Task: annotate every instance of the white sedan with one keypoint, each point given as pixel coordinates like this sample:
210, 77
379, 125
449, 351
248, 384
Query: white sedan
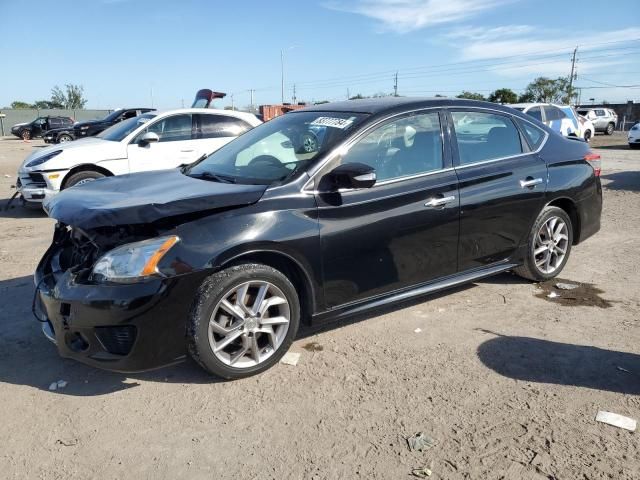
152, 141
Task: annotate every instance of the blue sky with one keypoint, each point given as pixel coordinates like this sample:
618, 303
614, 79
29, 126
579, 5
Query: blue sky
123, 50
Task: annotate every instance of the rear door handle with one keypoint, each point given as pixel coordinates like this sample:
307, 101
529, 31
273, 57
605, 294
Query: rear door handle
186, 151
439, 202
530, 182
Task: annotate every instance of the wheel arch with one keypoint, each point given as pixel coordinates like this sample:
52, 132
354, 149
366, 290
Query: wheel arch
85, 167
286, 264
569, 206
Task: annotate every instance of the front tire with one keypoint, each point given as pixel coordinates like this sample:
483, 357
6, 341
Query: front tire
243, 320
587, 135
64, 138
26, 135
81, 178
548, 245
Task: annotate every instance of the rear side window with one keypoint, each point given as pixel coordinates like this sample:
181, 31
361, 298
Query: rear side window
533, 134
600, 113
535, 112
54, 123
553, 113
485, 136
220, 126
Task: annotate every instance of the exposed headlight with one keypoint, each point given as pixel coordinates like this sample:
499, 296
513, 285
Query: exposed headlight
44, 158
133, 261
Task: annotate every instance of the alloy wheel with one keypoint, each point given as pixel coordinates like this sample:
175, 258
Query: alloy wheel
249, 324
551, 245
309, 143
64, 138
83, 181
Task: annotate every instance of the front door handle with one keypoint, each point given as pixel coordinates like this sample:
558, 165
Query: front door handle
530, 182
186, 151
439, 202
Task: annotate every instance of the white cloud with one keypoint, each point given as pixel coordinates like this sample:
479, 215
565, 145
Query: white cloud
402, 16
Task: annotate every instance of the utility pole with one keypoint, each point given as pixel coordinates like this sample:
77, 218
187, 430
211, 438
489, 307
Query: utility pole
251, 92
294, 94
573, 73
282, 76
348, 94
395, 85
232, 107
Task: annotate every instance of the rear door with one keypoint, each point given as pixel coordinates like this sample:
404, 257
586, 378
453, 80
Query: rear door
502, 183
213, 131
404, 230
174, 148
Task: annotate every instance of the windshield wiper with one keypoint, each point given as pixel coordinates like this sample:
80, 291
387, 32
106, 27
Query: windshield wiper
214, 177
185, 167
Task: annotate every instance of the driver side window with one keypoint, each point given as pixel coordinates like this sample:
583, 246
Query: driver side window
403, 147
171, 129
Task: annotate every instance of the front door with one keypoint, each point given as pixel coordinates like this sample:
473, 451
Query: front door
502, 184
175, 146
404, 230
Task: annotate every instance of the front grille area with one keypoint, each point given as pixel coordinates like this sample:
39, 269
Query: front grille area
117, 340
37, 180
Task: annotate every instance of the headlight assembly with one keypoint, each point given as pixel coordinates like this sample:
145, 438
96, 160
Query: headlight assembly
133, 261
44, 158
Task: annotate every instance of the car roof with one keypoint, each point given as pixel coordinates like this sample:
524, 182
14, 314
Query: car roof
250, 117
389, 104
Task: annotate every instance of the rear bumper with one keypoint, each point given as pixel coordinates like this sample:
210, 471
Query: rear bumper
126, 328
589, 211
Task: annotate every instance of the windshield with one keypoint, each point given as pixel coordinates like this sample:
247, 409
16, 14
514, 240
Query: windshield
120, 130
277, 149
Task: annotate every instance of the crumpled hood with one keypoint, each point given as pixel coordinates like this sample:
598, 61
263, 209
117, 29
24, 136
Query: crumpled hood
142, 198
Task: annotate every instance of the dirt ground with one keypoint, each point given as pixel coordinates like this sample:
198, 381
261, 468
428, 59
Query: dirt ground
505, 380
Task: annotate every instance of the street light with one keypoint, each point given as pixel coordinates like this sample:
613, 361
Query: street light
282, 71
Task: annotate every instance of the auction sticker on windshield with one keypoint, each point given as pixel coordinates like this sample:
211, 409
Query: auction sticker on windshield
341, 123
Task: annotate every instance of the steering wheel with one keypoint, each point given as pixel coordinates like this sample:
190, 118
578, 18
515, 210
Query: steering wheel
266, 160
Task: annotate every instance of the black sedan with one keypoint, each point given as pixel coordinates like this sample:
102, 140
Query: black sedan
91, 127
225, 258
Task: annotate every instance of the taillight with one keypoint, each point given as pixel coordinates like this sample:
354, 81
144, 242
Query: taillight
595, 162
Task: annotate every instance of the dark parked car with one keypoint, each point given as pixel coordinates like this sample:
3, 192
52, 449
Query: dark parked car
225, 258
40, 125
92, 127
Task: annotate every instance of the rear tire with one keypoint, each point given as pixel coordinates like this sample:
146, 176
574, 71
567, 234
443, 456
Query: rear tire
82, 177
609, 130
547, 254
587, 135
243, 320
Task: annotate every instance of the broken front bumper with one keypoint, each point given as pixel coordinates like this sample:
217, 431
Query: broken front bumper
126, 328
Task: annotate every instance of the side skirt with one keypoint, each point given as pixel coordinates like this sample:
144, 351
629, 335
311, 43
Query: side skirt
403, 295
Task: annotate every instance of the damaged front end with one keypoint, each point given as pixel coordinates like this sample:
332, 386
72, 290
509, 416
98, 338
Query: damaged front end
102, 322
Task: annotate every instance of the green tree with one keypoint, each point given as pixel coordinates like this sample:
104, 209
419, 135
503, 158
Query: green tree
19, 104
503, 95
321, 102
548, 90
471, 95
357, 97
47, 104
526, 97
72, 98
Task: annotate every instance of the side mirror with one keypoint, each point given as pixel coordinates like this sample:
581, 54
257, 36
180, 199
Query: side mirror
352, 175
148, 137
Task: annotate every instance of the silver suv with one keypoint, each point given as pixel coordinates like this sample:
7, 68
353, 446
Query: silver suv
603, 119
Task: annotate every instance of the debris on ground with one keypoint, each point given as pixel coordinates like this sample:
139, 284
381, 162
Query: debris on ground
290, 358
59, 385
67, 443
553, 295
420, 442
7, 176
616, 420
421, 472
566, 286
313, 347
417, 330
